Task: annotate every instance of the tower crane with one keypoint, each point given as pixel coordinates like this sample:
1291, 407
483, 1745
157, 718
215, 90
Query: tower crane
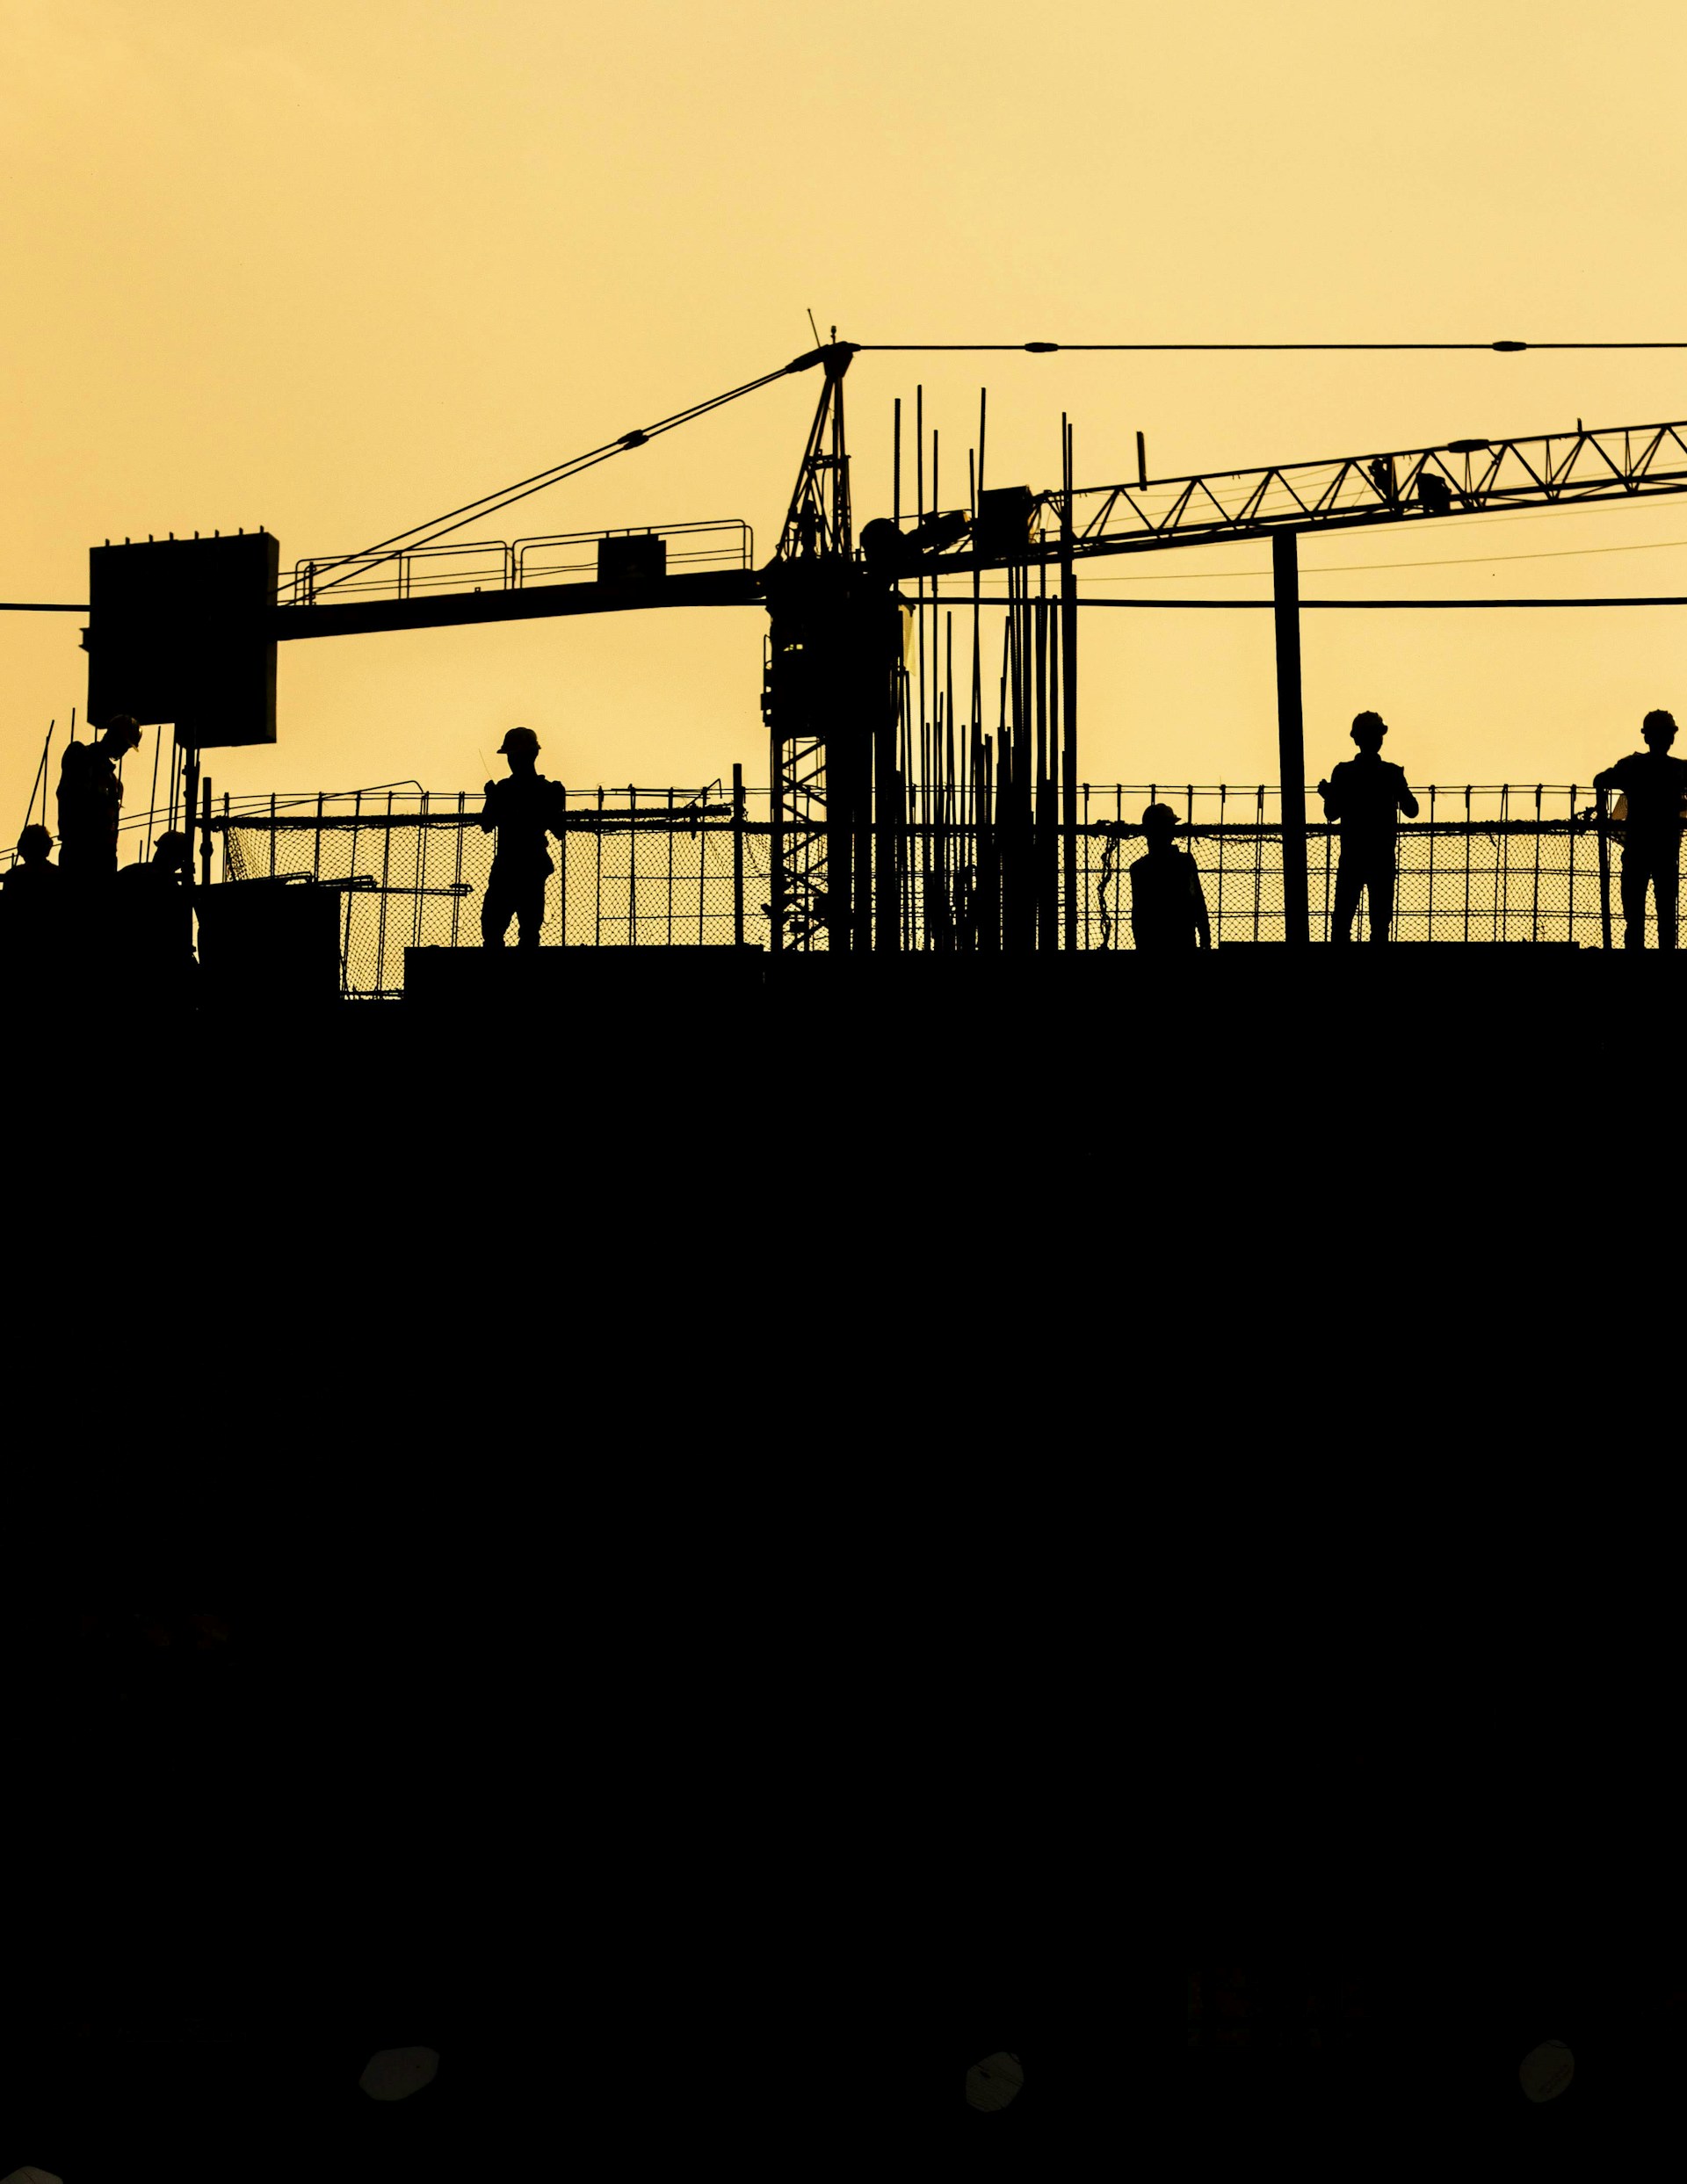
185, 631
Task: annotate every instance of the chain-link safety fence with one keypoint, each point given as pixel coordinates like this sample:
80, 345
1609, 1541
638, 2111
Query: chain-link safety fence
641, 867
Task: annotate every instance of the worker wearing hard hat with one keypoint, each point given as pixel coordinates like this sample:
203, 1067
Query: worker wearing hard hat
521, 811
90, 798
32, 908
1654, 786
1367, 795
1168, 906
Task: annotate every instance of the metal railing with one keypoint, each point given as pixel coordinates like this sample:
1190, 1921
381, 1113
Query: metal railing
673, 868
498, 565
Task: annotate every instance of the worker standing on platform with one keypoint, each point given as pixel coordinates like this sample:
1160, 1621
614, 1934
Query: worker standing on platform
1654, 786
521, 811
91, 800
1366, 794
1168, 906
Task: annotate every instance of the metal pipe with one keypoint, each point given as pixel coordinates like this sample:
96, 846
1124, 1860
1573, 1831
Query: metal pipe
1069, 695
737, 856
1290, 741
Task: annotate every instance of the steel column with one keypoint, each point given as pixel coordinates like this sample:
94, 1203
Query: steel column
1291, 740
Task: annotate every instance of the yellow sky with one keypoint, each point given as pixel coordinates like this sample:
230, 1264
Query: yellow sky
331, 268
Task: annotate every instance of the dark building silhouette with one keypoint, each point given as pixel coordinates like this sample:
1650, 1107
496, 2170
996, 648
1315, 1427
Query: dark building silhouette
90, 801
1654, 786
1366, 795
521, 811
1168, 904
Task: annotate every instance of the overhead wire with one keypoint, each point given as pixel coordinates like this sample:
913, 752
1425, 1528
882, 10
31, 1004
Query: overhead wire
1344, 568
1198, 348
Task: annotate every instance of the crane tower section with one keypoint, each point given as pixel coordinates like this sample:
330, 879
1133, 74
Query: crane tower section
831, 695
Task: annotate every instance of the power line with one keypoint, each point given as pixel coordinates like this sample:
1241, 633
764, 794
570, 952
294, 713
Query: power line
1203, 348
1359, 606
1355, 568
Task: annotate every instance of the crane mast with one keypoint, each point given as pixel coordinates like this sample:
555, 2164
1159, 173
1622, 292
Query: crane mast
831, 699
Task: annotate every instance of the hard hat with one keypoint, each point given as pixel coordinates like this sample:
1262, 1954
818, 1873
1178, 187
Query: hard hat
1159, 815
1368, 720
172, 840
519, 739
127, 723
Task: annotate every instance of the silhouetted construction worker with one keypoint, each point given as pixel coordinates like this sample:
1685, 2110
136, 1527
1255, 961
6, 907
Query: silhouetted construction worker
1367, 795
521, 811
155, 931
1654, 786
35, 933
1168, 905
90, 798
32, 884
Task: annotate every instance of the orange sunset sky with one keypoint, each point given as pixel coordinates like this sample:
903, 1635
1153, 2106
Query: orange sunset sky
330, 268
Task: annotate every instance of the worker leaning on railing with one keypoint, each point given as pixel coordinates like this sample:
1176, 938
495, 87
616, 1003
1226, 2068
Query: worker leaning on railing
1654, 786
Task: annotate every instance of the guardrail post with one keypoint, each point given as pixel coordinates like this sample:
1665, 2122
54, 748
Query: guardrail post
1291, 741
737, 856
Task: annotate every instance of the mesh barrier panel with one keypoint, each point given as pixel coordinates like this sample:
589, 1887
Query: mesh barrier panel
641, 868
627, 874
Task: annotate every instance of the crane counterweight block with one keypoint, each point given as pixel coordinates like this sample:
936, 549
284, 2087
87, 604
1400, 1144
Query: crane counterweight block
181, 630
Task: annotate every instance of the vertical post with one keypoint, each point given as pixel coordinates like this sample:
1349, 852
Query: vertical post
1290, 741
561, 869
189, 800
737, 856
1045, 866
1604, 871
886, 905
1068, 700
457, 869
776, 850
205, 832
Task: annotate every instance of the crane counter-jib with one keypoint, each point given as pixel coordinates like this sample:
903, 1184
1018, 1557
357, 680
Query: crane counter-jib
715, 588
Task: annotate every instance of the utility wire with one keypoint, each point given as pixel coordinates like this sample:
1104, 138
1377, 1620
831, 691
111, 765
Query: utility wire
1200, 348
1354, 568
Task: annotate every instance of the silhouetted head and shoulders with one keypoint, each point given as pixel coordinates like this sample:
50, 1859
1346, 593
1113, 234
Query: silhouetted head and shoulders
1168, 903
1368, 792
1653, 782
165, 871
34, 875
95, 764
1159, 830
525, 797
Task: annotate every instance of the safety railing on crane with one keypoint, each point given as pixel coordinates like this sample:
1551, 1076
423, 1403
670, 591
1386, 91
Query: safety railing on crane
498, 565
